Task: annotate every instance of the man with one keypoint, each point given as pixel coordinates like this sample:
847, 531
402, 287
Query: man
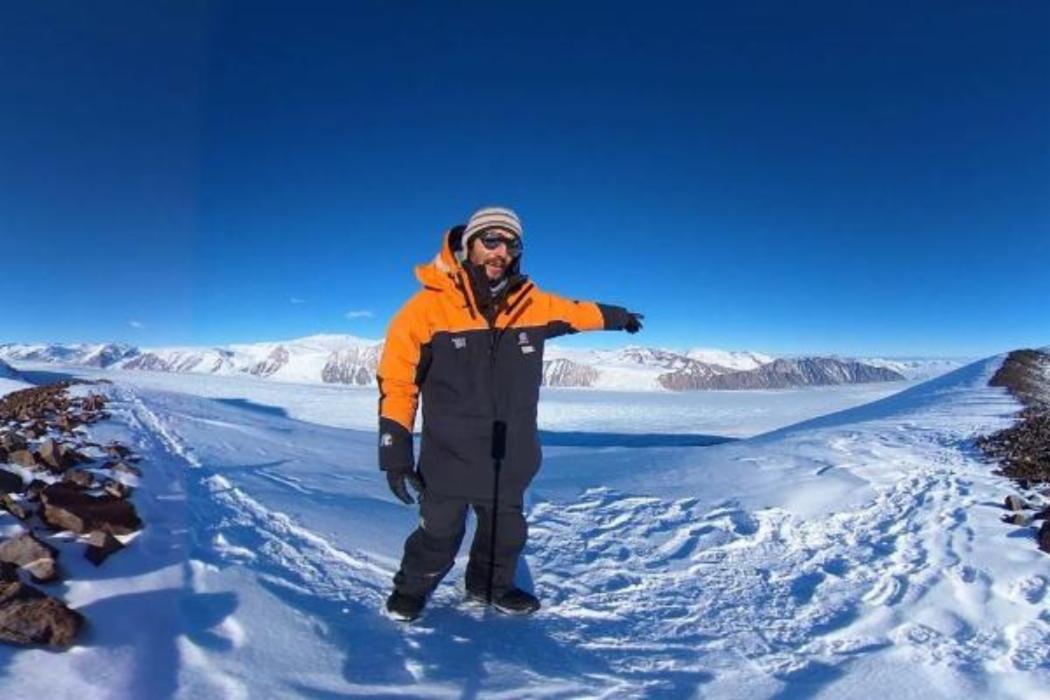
472, 342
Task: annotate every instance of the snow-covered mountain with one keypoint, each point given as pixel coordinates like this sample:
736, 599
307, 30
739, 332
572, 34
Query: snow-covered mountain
732, 359
90, 354
640, 368
320, 358
344, 359
916, 368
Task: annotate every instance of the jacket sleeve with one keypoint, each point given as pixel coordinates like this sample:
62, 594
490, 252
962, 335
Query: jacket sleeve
568, 316
402, 367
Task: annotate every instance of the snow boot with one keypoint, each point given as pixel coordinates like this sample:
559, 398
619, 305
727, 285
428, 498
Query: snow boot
405, 608
512, 602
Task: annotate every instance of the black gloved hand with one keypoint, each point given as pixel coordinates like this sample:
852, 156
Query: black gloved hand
634, 322
396, 480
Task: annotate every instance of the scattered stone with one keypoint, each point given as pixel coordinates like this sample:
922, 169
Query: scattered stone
117, 450
78, 477
123, 467
67, 508
1015, 503
29, 616
8, 572
56, 456
1044, 537
24, 458
10, 482
93, 402
1019, 519
117, 489
12, 441
100, 545
13, 507
1042, 515
36, 557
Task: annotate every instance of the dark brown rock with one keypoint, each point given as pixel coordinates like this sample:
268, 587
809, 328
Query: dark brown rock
28, 616
10, 482
36, 557
67, 508
1044, 536
55, 455
24, 458
8, 572
34, 489
100, 545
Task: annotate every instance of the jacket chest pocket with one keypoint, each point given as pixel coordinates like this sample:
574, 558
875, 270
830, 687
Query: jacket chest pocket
458, 373
520, 365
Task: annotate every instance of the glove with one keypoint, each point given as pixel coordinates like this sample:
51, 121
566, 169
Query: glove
396, 481
634, 322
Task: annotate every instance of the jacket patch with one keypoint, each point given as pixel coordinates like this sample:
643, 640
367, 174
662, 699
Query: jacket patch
459, 343
523, 338
526, 349
386, 440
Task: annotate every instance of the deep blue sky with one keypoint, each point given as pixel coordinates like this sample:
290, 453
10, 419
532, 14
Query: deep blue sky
788, 177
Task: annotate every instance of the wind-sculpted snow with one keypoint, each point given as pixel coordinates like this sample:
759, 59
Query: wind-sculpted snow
850, 556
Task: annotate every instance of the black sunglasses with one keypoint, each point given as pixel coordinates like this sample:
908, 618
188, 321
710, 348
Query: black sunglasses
492, 240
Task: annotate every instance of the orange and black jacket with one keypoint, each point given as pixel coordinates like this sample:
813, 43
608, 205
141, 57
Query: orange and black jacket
474, 361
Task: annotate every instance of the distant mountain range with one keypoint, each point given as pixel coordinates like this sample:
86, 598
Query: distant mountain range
343, 359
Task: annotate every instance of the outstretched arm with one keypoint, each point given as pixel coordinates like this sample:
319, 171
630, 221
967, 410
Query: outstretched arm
402, 368
568, 316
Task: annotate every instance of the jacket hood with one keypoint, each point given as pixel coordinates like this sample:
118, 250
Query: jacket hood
441, 271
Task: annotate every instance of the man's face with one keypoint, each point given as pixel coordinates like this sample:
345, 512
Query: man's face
496, 260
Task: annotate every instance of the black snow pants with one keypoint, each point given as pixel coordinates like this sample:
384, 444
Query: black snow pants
431, 549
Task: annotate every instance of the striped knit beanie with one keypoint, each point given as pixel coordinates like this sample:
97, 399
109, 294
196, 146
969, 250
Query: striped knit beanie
489, 217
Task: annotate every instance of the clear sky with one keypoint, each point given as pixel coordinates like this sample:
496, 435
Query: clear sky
788, 177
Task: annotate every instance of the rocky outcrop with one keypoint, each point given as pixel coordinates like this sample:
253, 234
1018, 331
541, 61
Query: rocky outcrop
566, 373
277, 359
692, 377
33, 556
68, 508
43, 431
783, 374
1022, 451
355, 366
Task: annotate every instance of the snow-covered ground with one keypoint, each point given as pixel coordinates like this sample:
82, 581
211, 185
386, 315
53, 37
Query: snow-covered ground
854, 554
